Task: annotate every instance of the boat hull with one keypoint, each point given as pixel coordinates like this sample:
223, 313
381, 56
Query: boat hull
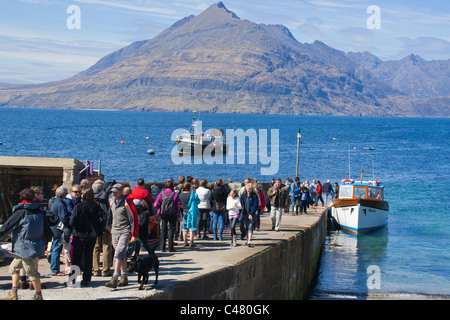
197, 148
360, 215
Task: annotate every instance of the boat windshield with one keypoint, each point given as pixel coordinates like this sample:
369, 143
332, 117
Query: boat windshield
345, 191
360, 192
375, 193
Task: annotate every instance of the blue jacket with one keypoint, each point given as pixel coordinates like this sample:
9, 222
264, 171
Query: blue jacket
28, 226
327, 188
59, 207
249, 204
305, 194
71, 203
296, 189
191, 219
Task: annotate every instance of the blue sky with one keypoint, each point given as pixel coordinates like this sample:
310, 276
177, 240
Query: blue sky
37, 46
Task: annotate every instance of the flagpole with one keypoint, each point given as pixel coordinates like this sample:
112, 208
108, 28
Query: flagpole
299, 135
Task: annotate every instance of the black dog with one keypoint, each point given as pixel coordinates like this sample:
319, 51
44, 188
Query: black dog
143, 266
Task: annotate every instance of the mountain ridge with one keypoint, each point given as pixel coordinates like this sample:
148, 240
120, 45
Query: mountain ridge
216, 62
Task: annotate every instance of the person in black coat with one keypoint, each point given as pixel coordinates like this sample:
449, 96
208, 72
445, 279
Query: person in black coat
143, 210
86, 226
304, 198
103, 244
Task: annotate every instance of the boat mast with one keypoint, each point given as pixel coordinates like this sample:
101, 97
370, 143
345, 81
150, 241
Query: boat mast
349, 162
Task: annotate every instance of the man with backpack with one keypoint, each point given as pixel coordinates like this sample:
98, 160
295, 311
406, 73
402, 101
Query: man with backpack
30, 232
168, 204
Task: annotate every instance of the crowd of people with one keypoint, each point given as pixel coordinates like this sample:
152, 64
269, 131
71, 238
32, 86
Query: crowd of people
116, 220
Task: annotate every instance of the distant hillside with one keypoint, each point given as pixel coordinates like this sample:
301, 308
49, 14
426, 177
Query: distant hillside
412, 75
216, 62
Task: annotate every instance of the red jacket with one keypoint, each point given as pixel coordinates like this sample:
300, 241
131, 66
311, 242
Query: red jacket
319, 189
140, 193
262, 200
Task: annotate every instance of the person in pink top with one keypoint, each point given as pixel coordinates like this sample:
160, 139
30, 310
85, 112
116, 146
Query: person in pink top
167, 218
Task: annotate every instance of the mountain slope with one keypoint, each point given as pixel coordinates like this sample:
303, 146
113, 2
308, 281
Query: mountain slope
216, 62
412, 75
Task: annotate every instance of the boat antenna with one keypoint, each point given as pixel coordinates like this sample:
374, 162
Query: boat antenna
362, 170
349, 162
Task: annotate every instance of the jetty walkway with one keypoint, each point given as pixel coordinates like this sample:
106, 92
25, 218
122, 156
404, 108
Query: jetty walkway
281, 265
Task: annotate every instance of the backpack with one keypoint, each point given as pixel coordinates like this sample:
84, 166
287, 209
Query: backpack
168, 207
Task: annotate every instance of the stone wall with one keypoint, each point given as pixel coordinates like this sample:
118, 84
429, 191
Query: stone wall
284, 271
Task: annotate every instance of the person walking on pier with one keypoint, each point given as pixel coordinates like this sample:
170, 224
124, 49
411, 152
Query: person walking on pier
124, 225
219, 196
192, 214
143, 211
336, 190
168, 204
59, 207
328, 192
304, 198
30, 232
139, 192
297, 194
103, 242
233, 207
204, 195
319, 194
313, 191
279, 196
185, 196
242, 190
271, 184
262, 205
179, 226
250, 205
51, 219
72, 199
86, 226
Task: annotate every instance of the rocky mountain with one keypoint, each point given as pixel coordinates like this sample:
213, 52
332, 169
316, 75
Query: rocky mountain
411, 75
217, 62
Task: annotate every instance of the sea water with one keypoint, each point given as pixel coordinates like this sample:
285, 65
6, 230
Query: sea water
410, 156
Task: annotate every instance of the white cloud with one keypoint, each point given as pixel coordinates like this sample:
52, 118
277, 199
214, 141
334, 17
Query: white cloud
428, 48
159, 10
47, 59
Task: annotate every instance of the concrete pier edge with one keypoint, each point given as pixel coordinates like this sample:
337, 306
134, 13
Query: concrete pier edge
284, 270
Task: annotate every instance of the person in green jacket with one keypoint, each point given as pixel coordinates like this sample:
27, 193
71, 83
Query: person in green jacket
279, 200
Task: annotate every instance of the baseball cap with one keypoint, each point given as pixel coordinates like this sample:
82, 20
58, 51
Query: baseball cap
117, 187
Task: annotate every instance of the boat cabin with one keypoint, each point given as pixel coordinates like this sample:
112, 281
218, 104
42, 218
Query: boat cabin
371, 190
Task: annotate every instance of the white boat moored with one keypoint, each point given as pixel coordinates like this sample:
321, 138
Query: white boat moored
360, 207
